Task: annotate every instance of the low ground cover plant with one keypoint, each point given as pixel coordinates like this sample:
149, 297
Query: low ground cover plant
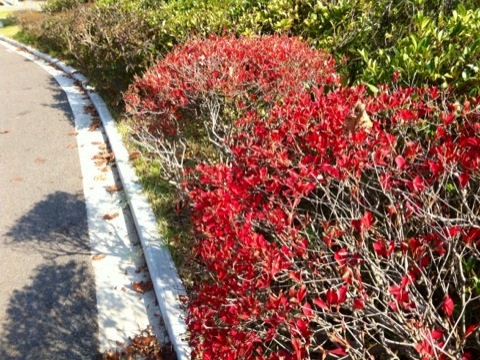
319, 242
337, 224
441, 50
184, 108
114, 40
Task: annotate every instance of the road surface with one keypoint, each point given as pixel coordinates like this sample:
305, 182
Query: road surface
47, 287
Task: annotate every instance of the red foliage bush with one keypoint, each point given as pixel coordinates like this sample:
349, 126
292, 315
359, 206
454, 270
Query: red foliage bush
198, 90
321, 243
330, 224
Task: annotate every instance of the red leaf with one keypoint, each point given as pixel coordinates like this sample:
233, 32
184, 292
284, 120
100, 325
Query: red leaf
447, 119
342, 294
338, 351
367, 220
437, 334
472, 235
307, 309
400, 161
356, 224
320, 303
414, 244
435, 167
301, 293
379, 248
418, 184
406, 115
471, 329
302, 327
394, 290
464, 178
358, 303
448, 305
295, 276
341, 256
332, 297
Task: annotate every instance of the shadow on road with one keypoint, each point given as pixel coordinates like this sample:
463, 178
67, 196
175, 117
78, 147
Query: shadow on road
54, 317
54, 227
60, 100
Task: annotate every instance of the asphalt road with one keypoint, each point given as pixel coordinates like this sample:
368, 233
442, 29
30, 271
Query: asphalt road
47, 289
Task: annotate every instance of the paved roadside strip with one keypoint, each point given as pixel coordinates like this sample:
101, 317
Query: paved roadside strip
123, 312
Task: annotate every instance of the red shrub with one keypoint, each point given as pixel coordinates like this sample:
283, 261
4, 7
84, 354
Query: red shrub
200, 88
320, 243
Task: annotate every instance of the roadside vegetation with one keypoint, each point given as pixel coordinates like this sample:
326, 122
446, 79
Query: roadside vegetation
314, 166
9, 28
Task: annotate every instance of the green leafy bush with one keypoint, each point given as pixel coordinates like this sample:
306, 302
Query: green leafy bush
443, 51
56, 6
109, 44
30, 22
113, 40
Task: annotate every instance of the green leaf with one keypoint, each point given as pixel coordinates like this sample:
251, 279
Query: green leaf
373, 88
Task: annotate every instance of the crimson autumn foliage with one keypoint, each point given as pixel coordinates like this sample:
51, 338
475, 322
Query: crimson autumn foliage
319, 242
322, 243
197, 91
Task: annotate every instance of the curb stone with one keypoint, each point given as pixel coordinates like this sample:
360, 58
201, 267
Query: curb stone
168, 287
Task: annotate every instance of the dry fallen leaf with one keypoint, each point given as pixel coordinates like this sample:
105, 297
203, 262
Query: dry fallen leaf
110, 355
114, 188
358, 117
141, 268
73, 133
142, 286
4, 132
40, 160
104, 155
100, 177
90, 109
72, 146
110, 216
97, 257
134, 155
96, 143
145, 346
95, 124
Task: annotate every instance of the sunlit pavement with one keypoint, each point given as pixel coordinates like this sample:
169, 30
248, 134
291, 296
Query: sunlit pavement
67, 270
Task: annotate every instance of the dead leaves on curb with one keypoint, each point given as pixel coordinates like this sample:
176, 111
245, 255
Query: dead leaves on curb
142, 286
95, 124
114, 188
100, 177
134, 155
110, 216
98, 257
144, 345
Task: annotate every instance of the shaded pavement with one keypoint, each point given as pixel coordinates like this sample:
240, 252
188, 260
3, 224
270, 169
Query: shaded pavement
47, 289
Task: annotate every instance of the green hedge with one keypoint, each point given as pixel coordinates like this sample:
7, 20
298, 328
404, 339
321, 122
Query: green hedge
426, 42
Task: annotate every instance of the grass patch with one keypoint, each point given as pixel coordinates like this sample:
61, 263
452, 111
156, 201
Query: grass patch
10, 27
173, 221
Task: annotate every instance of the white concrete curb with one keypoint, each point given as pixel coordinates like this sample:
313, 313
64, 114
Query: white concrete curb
167, 284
